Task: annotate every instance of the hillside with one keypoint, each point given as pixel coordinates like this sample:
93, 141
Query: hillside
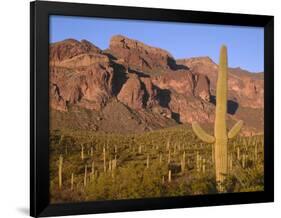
131, 87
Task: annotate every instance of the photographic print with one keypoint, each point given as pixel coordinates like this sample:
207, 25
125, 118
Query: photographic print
147, 109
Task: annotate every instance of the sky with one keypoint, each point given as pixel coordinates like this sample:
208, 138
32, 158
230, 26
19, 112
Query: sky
182, 40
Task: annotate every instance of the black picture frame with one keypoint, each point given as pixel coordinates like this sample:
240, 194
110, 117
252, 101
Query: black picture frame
39, 107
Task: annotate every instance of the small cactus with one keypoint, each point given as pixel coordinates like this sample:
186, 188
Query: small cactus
160, 158
169, 176
109, 165
238, 153
230, 162
85, 176
203, 165
82, 152
72, 181
183, 162
198, 161
104, 160
92, 152
221, 137
60, 171
93, 168
256, 152
115, 162
169, 156
243, 161
147, 161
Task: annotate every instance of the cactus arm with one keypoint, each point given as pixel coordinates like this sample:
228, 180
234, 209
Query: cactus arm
235, 129
202, 134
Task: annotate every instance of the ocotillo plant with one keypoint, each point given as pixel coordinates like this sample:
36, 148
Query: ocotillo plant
221, 136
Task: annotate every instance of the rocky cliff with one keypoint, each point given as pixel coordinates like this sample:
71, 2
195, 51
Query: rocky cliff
132, 87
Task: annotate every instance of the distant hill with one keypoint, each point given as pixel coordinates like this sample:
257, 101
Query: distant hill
133, 87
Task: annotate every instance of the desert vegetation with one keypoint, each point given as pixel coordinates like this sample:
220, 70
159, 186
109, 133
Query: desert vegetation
122, 123
86, 165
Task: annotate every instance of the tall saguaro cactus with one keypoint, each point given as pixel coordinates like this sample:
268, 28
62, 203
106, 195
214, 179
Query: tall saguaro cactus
221, 136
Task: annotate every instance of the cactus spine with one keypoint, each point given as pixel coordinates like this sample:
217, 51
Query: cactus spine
220, 137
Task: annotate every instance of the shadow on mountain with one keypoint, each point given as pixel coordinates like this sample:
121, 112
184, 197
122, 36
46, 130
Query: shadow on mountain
164, 97
232, 106
174, 66
119, 78
176, 117
110, 56
139, 73
145, 96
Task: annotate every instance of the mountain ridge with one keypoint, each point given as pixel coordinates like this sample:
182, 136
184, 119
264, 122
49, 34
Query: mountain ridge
159, 90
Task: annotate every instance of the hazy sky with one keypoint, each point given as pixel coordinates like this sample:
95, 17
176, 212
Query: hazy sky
182, 40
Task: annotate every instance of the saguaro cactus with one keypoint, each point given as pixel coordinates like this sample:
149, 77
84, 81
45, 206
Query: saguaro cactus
221, 137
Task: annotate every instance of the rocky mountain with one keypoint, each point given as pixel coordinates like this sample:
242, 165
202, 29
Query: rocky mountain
134, 87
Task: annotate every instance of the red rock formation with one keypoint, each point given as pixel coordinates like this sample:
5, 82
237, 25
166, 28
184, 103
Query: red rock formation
70, 48
244, 87
132, 93
202, 87
150, 92
88, 87
140, 56
156, 89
